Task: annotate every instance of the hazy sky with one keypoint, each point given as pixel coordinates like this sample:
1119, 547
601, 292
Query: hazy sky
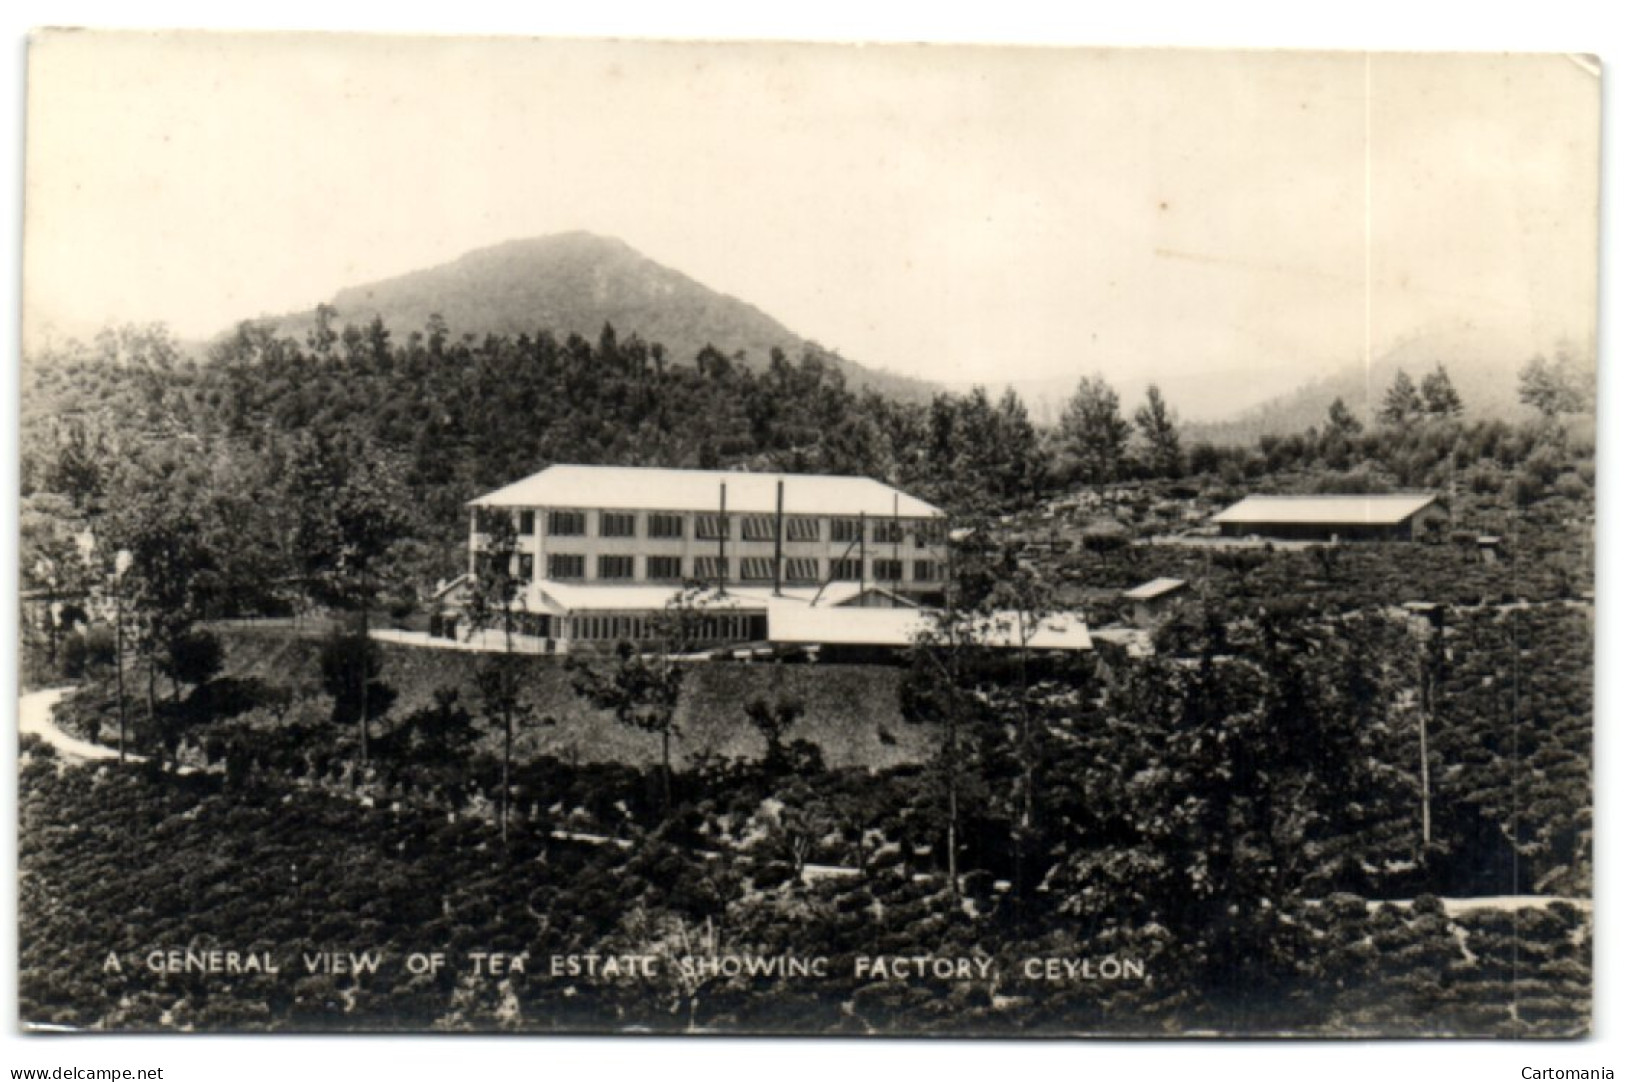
1213, 221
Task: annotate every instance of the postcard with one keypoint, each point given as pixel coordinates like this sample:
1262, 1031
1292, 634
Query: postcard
571, 536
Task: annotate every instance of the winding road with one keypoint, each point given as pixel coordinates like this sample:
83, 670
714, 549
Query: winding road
34, 717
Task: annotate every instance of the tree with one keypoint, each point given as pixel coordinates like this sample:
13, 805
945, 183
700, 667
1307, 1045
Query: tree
195, 657
935, 694
955, 684
322, 336
1342, 421
170, 582
79, 470
495, 592
1018, 462
349, 514
1094, 436
351, 663
1402, 403
642, 687
774, 721
1439, 397
53, 564
1020, 601
1551, 388
437, 332
115, 564
1159, 428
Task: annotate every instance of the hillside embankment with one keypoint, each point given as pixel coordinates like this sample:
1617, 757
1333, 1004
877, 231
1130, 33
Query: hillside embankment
851, 712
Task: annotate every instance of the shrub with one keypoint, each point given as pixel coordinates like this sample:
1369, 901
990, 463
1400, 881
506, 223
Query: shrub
1525, 488
33, 747
1543, 465
1571, 487
1484, 480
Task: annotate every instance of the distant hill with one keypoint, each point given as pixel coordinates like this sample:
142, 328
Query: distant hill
1482, 366
574, 283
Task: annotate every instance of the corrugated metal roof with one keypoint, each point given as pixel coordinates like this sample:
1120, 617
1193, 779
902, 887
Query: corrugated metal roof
1359, 510
1154, 589
802, 625
1058, 631
806, 625
562, 598
1136, 642
645, 489
793, 620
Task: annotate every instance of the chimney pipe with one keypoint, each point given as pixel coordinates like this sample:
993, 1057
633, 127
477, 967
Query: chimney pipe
863, 550
778, 544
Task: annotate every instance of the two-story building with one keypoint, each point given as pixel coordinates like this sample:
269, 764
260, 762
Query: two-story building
602, 550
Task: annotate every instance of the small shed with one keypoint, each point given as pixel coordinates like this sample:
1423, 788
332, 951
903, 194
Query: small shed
1154, 601
1426, 616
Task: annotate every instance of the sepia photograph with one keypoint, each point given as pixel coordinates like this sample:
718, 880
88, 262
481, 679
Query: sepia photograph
571, 536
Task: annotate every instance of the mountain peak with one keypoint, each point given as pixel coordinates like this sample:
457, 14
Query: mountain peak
574, 283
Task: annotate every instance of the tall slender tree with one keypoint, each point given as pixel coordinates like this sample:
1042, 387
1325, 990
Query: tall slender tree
643, 684
495, 598
353, 513
1402, 403
1094, 436
1439, 397
1341, 420
1159, 428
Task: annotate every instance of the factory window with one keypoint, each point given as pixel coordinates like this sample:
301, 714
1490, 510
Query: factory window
527, 567
801, 569
566, 523
710, 527
757, 528
666, 526
710, 568
887, 531
614, 567
888, 570
845, 570
802, 529
527, 523
617, 524
925, 571
566, 567
667, 568
845, 529
756, 569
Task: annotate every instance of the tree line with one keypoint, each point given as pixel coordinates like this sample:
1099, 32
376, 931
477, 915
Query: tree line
277, 475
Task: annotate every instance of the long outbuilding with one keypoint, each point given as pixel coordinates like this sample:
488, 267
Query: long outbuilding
1359, 517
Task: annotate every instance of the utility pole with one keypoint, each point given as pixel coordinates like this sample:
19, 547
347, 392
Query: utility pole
121, 561
896, 543
1422, 735
722, 543
1431, 618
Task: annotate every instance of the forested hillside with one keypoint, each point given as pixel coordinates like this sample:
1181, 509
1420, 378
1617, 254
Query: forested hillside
257, 439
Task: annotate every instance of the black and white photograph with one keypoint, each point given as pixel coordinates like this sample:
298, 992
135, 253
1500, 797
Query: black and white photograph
561, 537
